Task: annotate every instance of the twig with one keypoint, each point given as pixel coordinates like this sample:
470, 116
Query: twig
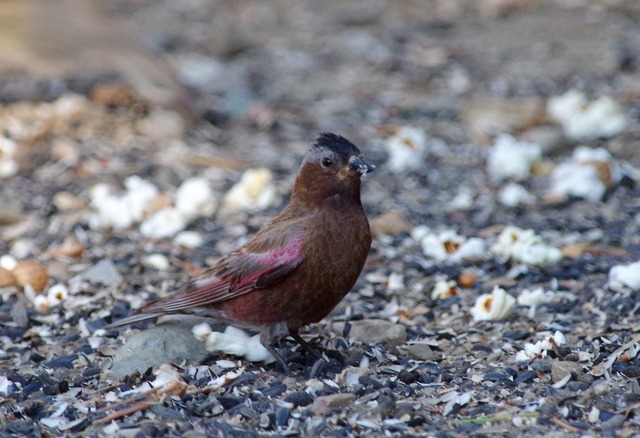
564, 425
494, 418
140, 406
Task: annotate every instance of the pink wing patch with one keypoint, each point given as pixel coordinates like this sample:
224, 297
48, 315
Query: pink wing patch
235, 275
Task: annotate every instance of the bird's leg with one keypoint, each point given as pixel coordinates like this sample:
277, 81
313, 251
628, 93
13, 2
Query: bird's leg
278, 357
268, 334
305, 345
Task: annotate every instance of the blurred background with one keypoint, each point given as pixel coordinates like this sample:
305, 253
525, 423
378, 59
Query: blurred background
297, 67
103, 90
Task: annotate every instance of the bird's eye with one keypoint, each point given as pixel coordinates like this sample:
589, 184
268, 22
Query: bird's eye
327, 162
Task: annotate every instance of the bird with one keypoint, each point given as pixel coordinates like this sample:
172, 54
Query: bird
298, 267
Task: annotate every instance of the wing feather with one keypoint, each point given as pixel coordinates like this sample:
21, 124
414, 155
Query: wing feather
237, 274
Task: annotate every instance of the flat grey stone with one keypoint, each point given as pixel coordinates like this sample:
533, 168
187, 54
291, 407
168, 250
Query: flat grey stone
561, 368
373, 331
104, 273
169, 342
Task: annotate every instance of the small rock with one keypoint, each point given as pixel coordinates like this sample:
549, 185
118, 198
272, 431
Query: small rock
548, 137
468, 279
373, 331
390, 223
104, 273
170, 342
115, 95
542, 366
6, 278
299, 398
420, 352
632, 371
493, 115
19, 313
614, 423
161, 125
561, 368
70, 248
322, 405
65, 201
32, 273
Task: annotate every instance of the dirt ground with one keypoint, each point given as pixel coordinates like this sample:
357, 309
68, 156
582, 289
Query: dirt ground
93, 93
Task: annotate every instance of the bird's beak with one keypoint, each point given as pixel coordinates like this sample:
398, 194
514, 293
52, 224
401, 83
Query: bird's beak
358, 165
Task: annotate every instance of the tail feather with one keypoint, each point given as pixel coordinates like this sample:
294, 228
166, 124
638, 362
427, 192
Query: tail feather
131, 319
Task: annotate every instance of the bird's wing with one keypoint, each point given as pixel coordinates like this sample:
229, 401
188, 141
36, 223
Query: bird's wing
237, 274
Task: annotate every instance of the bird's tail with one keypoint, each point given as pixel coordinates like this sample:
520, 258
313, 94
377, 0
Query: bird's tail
131, 319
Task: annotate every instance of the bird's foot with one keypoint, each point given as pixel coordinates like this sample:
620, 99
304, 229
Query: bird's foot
279, 359
308, 348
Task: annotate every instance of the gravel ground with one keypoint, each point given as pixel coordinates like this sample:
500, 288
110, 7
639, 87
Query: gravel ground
426, 89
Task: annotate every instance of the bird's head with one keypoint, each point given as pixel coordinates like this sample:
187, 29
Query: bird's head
332, 167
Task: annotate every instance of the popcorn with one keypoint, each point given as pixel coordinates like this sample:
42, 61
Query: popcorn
510, 158
233, 341
448, 245
41, 304
188, 239
164, 223
156, 261
444, 289
583, 120
168, 381
514, 194
524, 246
121, 211
8, 149
8, 262
493, 307
540, 348
535, 297
254, 191
56, 294
395, 282
462, 201
407, 149
625, 275
193, 199
576, 180
5, 385
587, 175
418, 233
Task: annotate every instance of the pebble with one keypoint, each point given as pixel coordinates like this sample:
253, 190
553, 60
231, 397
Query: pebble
161, 125
325, 403
525, 377
492, 115
420, 351
560, 369
32, 273
632, 371
282, 415
104, 273
6, 278
543, 365
390, 223
373, 331
299, 398
170, 342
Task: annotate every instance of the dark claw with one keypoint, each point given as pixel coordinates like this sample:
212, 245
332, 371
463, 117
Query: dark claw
308, 348
279, 359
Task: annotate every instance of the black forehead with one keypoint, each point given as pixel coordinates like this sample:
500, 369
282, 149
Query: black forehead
335, 143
